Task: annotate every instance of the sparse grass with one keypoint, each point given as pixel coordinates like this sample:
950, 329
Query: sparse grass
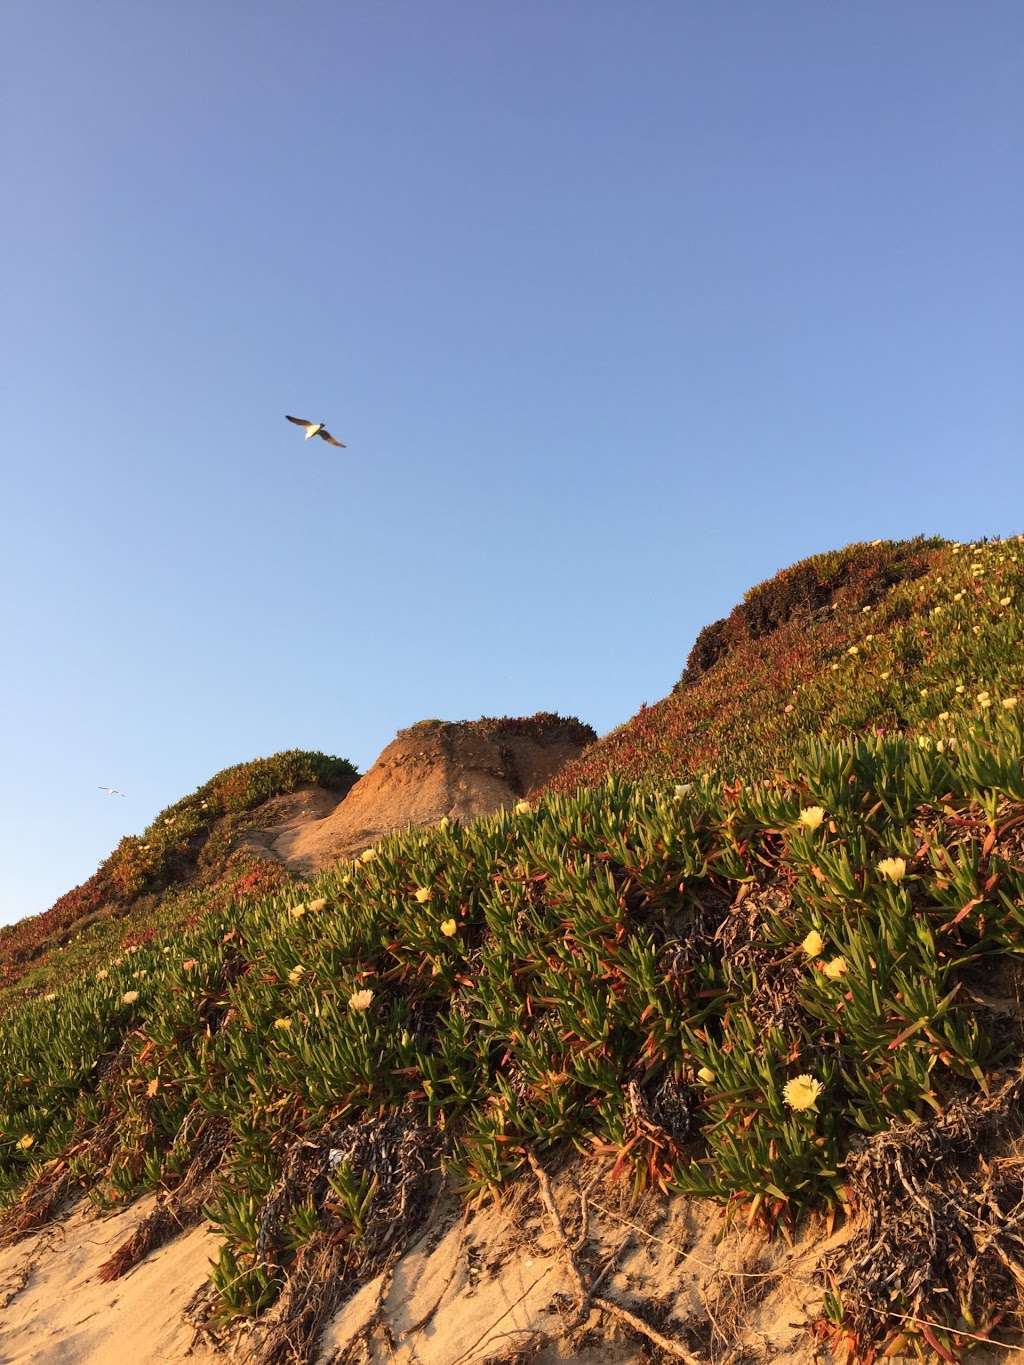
636, 968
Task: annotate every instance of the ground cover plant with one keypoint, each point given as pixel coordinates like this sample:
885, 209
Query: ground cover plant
190, 841
875, 637
772, 988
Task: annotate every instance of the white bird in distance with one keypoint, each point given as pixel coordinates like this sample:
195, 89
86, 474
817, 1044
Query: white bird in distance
316, 429
112, 791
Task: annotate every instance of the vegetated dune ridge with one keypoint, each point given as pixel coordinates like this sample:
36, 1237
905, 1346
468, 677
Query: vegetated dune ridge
246, 831
747, 991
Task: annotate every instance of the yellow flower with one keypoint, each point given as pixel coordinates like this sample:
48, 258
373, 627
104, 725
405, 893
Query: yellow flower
893, 868
523, 808
26, 1142
130, 997
102, 974
297, 911
924, 691
1009, 703
367, 855
449, 928
834, 968
813, 944
984, 700
886, 674
940, 746
811, 817
943, 715
51, 996
153, 1087
960, 688
853, 650
423, 893
1005, 601
296, 974
958, 595
802, 1092
706, 1075
681, 788
283, 1024
443, 823
923, 742
318, 904
360, 1000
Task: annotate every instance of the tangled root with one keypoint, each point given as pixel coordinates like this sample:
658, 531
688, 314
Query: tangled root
943, 1234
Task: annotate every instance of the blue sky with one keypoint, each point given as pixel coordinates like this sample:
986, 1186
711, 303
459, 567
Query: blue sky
619, 308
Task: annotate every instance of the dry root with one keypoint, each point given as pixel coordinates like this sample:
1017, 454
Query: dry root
176, 1211
585, 1294
943, 1208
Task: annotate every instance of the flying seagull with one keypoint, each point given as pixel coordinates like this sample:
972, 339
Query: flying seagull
112, 791
316, 429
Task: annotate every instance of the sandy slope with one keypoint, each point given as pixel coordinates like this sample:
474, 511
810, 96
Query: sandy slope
55, 1312
469, 1289
433, 769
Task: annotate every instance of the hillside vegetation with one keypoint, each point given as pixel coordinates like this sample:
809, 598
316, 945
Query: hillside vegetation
871, 638
752, 983
170, 873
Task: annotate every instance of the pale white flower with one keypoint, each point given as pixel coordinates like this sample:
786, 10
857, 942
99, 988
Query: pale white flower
360, 1000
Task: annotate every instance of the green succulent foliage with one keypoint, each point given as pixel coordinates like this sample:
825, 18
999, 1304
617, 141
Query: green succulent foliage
565, 974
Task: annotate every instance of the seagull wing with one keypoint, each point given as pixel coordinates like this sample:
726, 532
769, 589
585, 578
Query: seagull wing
331, 440
300, 421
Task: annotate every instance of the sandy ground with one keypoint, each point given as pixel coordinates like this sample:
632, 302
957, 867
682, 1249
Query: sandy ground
53, 1311
470, 1290
481, 1291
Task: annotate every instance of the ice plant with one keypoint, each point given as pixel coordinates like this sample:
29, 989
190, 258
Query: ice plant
318, 904
1009, 703
26, 1142
813, 944
367, 855
802, 1092
834, 968
449, 928
296, 974
360, 1000
811, 817
895, 869
297, 911
705, 1075
130, 997
423, 894
523, 808
283, 1024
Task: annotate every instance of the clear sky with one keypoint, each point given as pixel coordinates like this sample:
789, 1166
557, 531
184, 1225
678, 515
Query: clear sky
619, 308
